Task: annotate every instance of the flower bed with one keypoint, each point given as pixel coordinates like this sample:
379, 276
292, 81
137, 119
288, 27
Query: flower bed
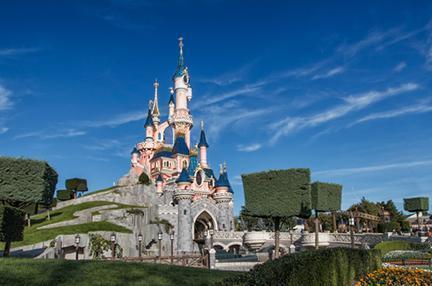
396, 276
406, 254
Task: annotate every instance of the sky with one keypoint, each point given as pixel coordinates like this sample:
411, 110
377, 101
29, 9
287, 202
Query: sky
340, 87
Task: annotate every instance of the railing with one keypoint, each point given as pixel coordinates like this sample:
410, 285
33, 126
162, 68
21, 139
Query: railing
184, 260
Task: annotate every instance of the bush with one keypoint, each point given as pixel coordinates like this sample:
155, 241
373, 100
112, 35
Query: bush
24, 180
286, 192
330, 267
64, 195
76, 184
326, 197
144, 179
391, 245
416, 204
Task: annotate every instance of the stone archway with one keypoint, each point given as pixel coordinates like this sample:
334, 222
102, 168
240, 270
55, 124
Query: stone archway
202, 222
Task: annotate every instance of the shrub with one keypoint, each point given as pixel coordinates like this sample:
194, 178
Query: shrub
24, 180
144, 179
396, 276
416, 204
391, 245
286, 192
64, 195
326, 196
330, 267
76, 184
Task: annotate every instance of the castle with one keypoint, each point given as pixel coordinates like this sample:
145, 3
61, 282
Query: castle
190, 196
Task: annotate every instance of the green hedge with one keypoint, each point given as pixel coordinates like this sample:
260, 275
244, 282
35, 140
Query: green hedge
416, 204
144, 179
326, 196
64, 195
329, 267
391, 245
24, 180
11, 224
76, 184
277, 193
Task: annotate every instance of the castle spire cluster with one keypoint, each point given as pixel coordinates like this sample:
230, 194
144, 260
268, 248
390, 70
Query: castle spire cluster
166, 159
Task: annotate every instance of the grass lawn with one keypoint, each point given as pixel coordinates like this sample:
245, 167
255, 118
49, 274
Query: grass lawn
34, 235
82, 273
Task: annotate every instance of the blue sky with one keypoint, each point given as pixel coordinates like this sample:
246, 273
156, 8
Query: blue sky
343, 88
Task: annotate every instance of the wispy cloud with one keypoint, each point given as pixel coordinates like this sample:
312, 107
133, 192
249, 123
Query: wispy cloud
12, 52
117, 120
214, 98
3, 129
351, 103
401, 66
414, 109
5, 101
249, 148
230, 77
52, 135
330, 73
374, 168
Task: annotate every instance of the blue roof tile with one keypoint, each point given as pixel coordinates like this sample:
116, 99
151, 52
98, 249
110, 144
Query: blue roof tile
203, 141
149, 120
180, 146
184, 177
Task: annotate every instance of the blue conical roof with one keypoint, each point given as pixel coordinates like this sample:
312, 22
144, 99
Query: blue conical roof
203, 140
159, 178
222, 181
171, 99
149, 120
184, 177
181, 63
180, 146
135, 151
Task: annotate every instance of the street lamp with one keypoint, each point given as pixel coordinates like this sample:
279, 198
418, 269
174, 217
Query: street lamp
140, 239
351, 224
172, 246
77, 243
211, 231
160, 245
113, 245
291, 240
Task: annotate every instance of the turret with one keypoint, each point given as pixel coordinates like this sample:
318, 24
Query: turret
171, 106
159, 184
149, 125
183, 196
223, 198
182, 120
155, 107
203, 145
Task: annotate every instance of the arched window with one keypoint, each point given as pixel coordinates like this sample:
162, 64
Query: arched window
184, 164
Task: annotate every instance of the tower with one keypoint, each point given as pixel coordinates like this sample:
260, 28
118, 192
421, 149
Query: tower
223, 198
183, 195
155, 108
203, 145
181, 119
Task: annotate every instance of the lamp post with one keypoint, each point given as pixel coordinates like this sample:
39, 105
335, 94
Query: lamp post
291, 239
351, 224
172, 247
205, 237
211, 231
77, 243
160, 245
113, 245
140, 239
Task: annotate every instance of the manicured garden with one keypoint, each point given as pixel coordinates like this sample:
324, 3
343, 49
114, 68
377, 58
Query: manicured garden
34, 235
86, 273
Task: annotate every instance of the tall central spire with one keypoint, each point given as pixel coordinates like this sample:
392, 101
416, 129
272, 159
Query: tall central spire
180, 64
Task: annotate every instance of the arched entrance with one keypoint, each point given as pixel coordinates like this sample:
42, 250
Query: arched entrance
203, 222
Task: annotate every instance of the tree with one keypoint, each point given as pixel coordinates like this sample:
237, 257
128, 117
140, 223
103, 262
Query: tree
420, 204
23, 182
326, 197
76, 185
278, 194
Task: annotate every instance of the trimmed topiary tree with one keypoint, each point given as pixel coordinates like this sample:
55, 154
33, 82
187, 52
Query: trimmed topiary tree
278, 194
76, 185
326, 197
25, 182
144, 179
64, 195
419, 204
11, 226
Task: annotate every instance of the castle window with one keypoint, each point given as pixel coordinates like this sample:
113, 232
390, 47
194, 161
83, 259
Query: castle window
184, 212
184, 164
